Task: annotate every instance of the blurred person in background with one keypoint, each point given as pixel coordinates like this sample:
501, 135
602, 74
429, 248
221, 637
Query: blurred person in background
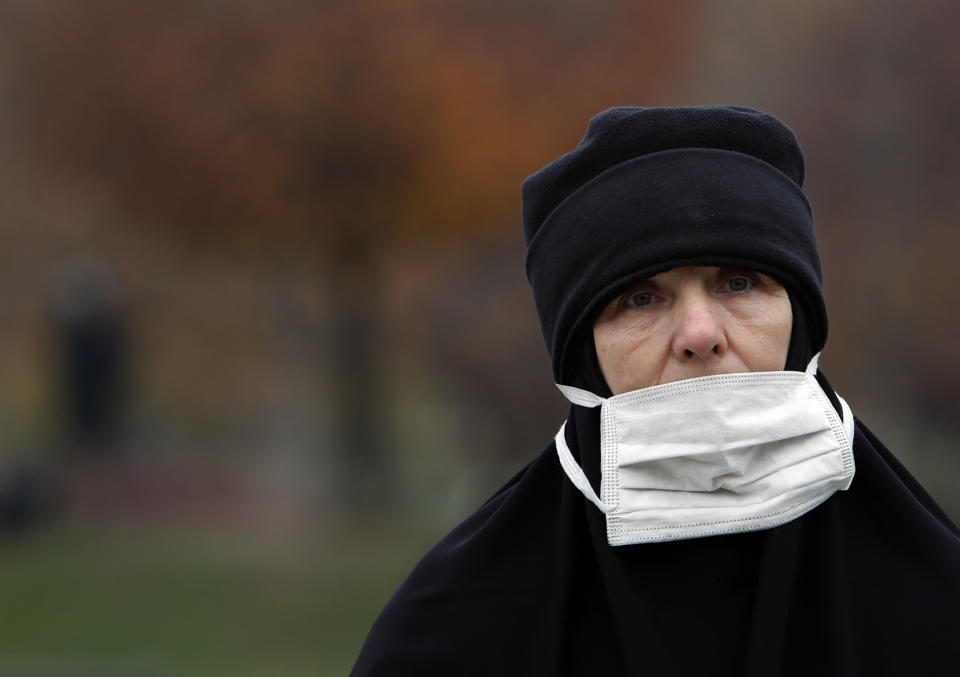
710, 506
93, 362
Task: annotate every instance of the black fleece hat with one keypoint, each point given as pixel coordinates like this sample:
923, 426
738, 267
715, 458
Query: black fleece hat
650, 189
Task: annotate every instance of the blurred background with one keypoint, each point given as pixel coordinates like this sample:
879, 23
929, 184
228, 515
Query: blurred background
264, 329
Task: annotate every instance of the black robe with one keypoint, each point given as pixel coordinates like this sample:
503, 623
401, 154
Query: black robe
867, 583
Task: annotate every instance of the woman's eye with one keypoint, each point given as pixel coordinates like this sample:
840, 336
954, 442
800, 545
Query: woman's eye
640, 299
739, 283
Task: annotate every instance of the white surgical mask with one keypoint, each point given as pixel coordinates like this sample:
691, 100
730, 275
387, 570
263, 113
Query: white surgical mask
714, 455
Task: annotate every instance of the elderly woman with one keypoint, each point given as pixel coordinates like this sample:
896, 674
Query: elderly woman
710, 506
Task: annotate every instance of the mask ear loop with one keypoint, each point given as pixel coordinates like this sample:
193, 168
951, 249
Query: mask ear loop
847, 418
580, 396
848, 424
575, 472
569, 464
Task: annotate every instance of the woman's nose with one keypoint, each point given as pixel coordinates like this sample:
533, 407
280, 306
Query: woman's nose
699, 332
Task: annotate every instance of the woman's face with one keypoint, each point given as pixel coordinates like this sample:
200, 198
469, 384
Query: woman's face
693, 321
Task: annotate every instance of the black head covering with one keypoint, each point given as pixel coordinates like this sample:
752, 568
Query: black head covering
867, 583
649, 189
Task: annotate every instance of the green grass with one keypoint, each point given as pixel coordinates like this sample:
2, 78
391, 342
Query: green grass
112, 601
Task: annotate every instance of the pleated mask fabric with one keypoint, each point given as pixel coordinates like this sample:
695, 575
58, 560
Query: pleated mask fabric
714, 455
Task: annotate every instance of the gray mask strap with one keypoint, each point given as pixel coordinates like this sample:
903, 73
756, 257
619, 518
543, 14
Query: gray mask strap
580, 396
575, 472
848, 424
